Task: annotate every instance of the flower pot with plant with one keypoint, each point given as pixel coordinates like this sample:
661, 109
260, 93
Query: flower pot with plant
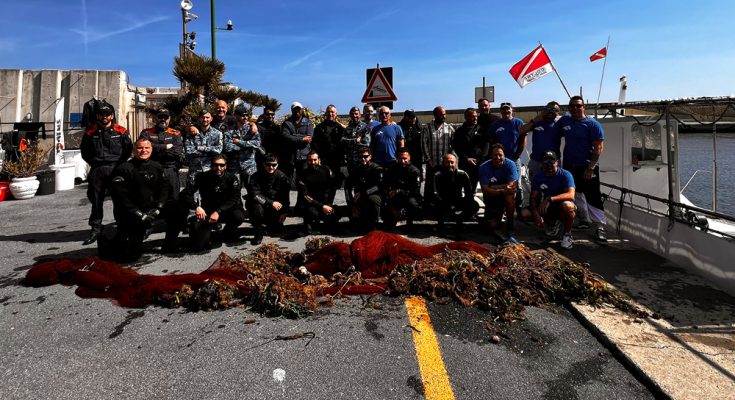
23, 171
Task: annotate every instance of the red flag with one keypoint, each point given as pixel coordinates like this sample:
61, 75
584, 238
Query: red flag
532, 67
602, 53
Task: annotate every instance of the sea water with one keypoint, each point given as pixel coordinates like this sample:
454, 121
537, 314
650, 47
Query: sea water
696, 154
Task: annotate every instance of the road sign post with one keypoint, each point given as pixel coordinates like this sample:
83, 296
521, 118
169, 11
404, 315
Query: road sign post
379, 91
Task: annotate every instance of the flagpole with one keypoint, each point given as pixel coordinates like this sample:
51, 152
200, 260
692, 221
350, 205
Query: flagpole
557, 73
603, 76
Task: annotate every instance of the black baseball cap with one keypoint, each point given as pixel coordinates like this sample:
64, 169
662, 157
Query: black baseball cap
104, 110
163, 111
241, 111
409, 113
549, 156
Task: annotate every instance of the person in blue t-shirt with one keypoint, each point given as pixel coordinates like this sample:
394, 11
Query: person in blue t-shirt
385, 139
583, 146
543, 137
507, 131
499, 183
552, 199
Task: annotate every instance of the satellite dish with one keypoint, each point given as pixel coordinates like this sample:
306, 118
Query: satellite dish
186, 5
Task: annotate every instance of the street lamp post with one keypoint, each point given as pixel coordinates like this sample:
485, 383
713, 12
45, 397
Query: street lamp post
214, 29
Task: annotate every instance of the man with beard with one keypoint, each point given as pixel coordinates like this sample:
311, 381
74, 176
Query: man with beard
552, 199
412, 129
328, 142
202, 143
104, 146
363, 192
168, 150
436, 143
356, 136
484, 120
220, 203
240, 146
270, 132
453, 198
368, 112
468, 144
316, 191
402, 182
499, 183
297, 132
385, 139
139, 191
268, 198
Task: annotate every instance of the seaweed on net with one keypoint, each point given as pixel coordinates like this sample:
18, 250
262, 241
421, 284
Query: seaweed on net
506, 282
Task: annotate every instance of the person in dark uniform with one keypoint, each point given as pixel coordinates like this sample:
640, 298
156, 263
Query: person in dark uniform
268, 198
104, 146
328, 142
270, 133
220, 204
469, 144
316, 191
168, 150
412, 129
139, 190
402, 183
453, 198
296, 132
363, 192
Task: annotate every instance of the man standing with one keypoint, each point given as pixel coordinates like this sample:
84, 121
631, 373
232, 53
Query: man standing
270, 132
356, 136
316, 189
485, 119
221, 121
368, 112
437, 142
104, 146
139, 190
385, 139
220, 204
453, 198
363, 192
468, 144
402, 182
202, 143
552, 199
328, 142
499, 183
412, 129
583, 146
544, 137
240, 146
297, 132
268, 198
168, 150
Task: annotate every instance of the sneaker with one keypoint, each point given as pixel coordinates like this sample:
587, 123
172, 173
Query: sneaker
93, 236
258, 239
582, 225
552, 230
566, 241
600, 235
511, 240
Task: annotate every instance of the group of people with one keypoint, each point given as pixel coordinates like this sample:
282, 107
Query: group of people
380, 164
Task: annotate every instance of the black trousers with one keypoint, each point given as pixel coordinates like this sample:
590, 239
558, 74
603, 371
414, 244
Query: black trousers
402, 205
589, 187
368, 211
174, 184
313, 214
98, 181
261, 214
461, 211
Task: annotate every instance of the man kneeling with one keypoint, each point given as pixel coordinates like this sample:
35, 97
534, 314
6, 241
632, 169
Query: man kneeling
552, 199
268, 198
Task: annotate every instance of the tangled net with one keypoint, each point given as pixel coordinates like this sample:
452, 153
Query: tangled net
274, 281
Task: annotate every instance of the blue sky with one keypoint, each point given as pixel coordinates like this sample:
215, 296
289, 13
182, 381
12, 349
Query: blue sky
316, 52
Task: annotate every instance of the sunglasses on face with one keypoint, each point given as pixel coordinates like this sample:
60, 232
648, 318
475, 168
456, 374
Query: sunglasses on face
218, 165
576, 105
364, 156
271, 165
552, 109
163, 116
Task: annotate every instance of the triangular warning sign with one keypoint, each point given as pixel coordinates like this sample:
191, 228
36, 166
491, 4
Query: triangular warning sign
378, 89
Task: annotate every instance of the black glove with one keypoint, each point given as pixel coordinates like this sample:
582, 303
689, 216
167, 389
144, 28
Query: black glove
140, 215
153, 213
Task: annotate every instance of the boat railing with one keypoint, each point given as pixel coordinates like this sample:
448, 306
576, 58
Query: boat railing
693, 216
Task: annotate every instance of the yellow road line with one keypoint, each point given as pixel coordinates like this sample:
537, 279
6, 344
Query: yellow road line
433, 374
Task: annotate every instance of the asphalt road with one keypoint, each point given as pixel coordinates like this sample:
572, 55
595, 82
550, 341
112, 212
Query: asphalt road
57, 345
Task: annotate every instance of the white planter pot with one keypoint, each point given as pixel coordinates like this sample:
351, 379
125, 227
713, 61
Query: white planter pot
24, 188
